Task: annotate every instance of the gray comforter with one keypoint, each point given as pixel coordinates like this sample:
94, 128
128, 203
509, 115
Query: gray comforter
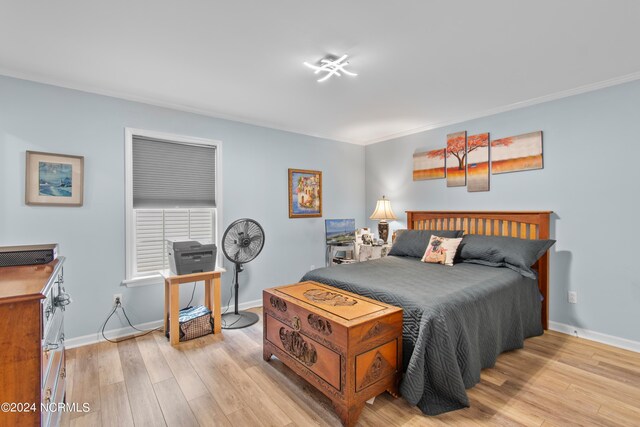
457, 320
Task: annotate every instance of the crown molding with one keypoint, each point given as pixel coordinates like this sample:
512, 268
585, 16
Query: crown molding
51, 81
515, 106
34, 77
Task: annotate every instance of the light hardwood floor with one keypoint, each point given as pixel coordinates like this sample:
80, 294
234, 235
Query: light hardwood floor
556, 380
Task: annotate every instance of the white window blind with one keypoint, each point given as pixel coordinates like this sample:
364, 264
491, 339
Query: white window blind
173, 195
154, 226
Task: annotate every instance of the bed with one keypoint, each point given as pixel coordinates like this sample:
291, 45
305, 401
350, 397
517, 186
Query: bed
457, 320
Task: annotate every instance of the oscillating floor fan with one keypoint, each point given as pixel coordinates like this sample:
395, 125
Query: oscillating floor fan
242, 242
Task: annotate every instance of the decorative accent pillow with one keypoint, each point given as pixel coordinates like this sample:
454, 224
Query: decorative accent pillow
413, 243
441, 250
501, 251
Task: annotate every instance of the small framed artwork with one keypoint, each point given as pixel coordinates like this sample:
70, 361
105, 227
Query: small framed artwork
456, 159
517, 153
305, 193
54, 179
429, 165
478, 162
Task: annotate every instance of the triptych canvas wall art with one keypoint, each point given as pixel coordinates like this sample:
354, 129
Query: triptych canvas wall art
456, 155
478, 162
468, 161
517, 153
429, 165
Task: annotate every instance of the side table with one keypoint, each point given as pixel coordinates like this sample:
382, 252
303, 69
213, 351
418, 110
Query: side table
212, 297
332, 250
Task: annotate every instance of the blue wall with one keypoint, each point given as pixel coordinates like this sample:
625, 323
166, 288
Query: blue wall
590, 180
255, 162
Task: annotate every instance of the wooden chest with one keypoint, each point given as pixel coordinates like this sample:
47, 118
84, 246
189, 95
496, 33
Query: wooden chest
349, 347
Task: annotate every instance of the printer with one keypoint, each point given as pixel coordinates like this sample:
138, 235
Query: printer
191, 256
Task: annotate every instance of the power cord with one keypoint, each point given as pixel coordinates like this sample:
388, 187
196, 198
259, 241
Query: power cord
193, 291
232, 287
118, 305
230, 296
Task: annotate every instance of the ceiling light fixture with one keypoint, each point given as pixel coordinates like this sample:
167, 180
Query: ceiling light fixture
332, 65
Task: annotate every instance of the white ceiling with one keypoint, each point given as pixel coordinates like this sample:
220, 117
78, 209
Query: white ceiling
421, 63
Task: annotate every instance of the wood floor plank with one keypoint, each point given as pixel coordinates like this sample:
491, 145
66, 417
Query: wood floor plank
86, 387
157, 367
189, 381
90, 419
208, 412
245, 417
220, 388
142, 399
115, 409
620, 414
247, 351
555, 380
492, 398
281, 399
261, 404
175, 408
301, 391
109, 364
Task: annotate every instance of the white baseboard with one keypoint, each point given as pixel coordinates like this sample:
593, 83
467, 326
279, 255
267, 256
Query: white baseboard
127, 331
595, 336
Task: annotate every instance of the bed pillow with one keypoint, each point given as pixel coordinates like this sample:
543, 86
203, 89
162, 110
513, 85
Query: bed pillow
441, 250
413, 243
501, 251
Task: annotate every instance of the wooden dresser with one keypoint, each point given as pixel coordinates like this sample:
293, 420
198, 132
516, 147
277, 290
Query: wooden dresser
347, 346
32, 365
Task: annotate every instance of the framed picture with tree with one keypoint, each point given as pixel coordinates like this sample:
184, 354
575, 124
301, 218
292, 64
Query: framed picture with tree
456, 159
478, 162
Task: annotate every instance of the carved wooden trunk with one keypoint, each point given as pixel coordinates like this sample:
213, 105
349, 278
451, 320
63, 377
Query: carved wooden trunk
349, 347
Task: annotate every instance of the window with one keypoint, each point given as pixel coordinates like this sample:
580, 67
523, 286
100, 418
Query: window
171, 192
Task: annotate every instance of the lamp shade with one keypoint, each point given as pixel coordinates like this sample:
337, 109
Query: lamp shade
383, 210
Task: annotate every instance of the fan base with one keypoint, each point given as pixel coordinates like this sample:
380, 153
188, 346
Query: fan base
240, 320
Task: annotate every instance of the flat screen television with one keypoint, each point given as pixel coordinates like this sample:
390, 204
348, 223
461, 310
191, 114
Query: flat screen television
340, 231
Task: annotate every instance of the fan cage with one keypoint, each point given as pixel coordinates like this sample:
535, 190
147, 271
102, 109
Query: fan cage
243, 241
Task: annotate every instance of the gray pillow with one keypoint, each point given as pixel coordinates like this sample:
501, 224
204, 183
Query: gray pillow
414, 243
501, 251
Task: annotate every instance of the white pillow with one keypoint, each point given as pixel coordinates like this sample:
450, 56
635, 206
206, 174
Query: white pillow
441, 250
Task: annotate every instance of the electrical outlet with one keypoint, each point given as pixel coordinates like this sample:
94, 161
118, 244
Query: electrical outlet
116, 298
572, 297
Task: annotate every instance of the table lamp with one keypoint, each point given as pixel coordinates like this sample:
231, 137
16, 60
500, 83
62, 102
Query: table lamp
382, 213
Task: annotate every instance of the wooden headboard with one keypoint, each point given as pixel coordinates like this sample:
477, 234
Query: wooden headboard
524, 225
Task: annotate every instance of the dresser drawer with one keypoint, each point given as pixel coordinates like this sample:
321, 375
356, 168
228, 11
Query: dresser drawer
49, 306
54, 389
52, 343
53, 372
311, 324
310, 354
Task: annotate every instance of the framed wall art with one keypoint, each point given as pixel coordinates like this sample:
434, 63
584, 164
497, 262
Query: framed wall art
456, 157
54, 179
305, 193
478, 162
517, 153
429, 165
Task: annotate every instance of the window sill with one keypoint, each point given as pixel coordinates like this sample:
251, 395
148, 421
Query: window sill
143, 281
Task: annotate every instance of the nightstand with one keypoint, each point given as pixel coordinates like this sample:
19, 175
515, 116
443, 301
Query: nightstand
369, 252
333, 250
